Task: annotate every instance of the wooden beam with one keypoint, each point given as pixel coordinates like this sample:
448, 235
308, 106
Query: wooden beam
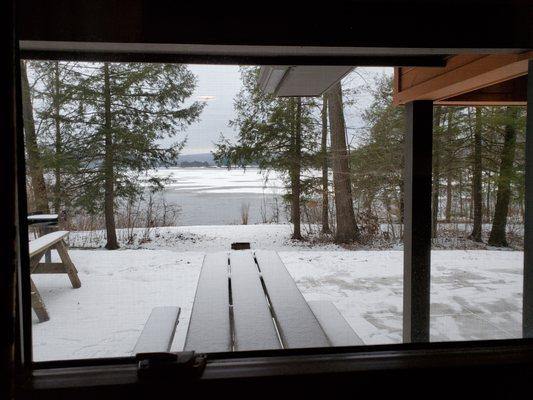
462, 74
527, 304
49, 268
417, 221
508, 93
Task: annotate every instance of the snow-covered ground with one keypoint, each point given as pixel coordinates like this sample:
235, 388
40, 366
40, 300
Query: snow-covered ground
475, 294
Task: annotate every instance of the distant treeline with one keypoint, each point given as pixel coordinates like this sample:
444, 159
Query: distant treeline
194, 164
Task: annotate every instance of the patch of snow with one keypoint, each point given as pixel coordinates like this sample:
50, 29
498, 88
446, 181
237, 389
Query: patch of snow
475, 294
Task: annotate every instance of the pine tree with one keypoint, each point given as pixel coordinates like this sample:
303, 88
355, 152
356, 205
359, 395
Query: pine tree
276, 133
55, 91
498, 235
377, 163
129, 108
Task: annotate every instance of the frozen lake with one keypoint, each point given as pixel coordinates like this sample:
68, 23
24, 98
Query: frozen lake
216, 196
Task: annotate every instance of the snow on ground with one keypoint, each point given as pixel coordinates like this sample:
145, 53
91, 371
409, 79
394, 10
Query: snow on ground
475, 294
203, 238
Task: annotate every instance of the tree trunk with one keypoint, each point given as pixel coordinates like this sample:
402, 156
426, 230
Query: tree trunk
347, 230
58, 144
448, 212
296, 170
476, 181
324, 153
35, 166
402, 203
460, 190
487, 206
109, 178
503, 196
436, 174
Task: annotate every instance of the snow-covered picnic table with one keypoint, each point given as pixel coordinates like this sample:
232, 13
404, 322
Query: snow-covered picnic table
37, 248
39, 218
247, 300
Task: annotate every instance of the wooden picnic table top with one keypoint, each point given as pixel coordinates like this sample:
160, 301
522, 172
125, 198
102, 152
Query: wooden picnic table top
42, 243
248, 301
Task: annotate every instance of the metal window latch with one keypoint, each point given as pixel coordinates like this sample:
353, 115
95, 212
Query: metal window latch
155, 366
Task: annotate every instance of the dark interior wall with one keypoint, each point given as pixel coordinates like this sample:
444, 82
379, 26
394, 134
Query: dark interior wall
378, 23
8, 232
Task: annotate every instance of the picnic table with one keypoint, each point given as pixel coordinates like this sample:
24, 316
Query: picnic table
247, 300
37, 248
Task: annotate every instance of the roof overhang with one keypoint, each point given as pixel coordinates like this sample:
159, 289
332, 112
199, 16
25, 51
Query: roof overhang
301, 80
467, 80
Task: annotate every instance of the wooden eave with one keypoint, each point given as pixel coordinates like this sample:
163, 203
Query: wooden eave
466, 80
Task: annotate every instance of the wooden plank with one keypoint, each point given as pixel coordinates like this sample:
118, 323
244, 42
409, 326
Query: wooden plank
509, 93
453, 81
417, 221
252, 320
37, 303
416, 75
49, 268
42, 243
72, 273
209, 327
158, 331
338, 331
297, 325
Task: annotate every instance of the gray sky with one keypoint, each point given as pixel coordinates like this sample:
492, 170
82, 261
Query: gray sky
218, 85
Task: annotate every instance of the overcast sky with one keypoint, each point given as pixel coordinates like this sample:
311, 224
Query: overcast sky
218, 85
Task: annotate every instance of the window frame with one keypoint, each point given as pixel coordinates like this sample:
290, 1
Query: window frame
64, 374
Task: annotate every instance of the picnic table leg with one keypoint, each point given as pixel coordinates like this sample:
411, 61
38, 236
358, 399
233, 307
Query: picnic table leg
69, 265
48, 256
37, 303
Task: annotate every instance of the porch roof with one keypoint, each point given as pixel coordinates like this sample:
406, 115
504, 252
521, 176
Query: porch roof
462, 80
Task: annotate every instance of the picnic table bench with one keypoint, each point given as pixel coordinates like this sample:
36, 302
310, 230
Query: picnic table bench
37, 248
